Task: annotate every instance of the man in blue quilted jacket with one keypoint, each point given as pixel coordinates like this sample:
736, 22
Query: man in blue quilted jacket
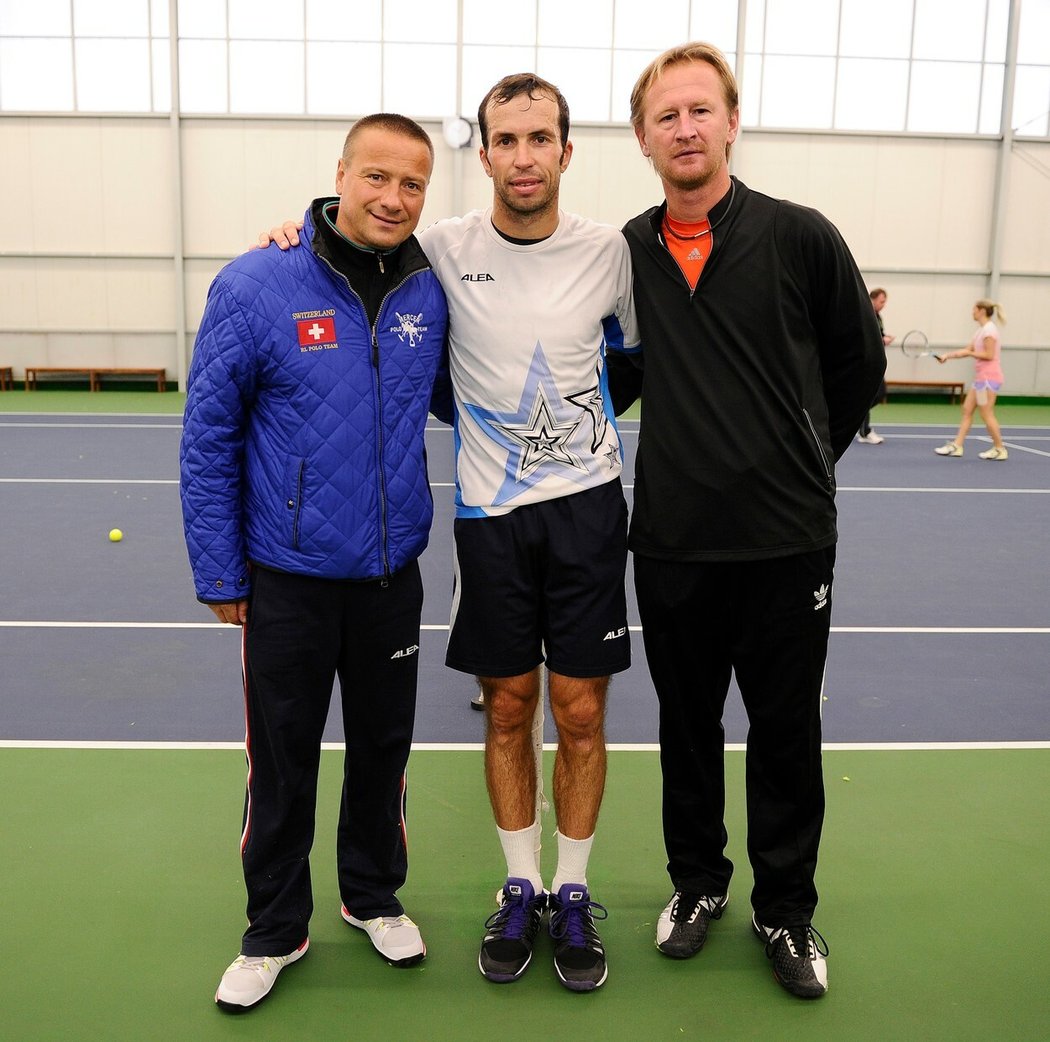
306, 505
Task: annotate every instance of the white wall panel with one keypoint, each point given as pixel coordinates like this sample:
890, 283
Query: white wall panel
1026, 239
86, 185
1026, 301
16, 188
898, 202
199, 274
113, 295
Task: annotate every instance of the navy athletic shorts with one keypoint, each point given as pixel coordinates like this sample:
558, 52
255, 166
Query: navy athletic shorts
544, 582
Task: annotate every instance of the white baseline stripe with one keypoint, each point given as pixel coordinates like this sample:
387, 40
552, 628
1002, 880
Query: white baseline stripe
16, 624
89, 481
919, 488
451, 484
471, 747
97, 426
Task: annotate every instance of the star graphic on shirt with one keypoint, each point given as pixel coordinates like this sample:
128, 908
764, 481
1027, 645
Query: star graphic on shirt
612, 454
542, 438
593, 404
537, 439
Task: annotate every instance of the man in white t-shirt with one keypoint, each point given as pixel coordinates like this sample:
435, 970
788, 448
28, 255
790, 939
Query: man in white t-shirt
536, 298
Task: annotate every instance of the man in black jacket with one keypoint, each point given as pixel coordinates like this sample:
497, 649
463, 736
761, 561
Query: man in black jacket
761, 356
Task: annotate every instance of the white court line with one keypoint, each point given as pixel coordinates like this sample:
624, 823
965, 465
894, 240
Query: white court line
452, 484
471, 747
89, 481
98, 426
928, 488
15, 624
1010, 443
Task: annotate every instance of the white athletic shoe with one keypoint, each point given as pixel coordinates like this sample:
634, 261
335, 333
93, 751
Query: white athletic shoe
249, 978
949, 449
871, 438
395, 937
993, 453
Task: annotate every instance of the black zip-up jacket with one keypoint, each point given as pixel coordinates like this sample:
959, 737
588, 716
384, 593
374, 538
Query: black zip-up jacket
754, 384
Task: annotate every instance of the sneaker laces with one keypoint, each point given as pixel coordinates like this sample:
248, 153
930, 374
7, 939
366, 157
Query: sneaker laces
692, 903
258, 963
574, 922
803, 942
511, 918
390, 922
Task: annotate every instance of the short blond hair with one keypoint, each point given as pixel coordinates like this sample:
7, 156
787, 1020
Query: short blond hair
681, 55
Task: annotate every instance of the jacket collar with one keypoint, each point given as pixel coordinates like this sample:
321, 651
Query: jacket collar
733, 198
403, 260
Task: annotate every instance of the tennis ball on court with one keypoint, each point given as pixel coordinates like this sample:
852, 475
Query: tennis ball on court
115, 535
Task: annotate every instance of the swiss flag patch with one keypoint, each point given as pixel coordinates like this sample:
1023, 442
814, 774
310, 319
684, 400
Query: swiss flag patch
316, 331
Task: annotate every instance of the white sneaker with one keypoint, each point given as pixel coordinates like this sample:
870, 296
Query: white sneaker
395, 937
949, 449
993, 453
249, 978
871, 438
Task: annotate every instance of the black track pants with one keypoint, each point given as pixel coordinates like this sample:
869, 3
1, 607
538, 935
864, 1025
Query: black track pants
767, 621
302, 633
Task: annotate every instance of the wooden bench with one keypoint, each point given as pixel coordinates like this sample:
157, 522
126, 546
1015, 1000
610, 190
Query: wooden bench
94, 374
954, 388
6, 380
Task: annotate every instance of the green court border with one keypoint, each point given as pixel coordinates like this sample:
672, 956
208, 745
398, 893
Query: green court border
123, 904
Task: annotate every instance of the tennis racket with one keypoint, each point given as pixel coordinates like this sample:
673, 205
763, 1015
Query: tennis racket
916, 345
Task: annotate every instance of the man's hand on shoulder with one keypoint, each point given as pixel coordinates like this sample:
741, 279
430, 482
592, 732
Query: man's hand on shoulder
284, 235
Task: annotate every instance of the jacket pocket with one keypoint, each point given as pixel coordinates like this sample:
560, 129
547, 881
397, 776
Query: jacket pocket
821, 454
294, 481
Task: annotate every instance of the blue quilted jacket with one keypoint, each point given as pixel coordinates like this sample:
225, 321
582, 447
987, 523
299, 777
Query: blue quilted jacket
302, 448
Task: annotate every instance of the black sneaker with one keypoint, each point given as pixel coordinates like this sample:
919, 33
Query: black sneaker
579, 958
798, 957
511, 931
682, 927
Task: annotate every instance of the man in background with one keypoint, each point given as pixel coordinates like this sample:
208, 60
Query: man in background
867, 434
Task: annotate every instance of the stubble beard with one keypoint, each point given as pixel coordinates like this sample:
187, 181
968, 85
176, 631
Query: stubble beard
689, 182
537, 207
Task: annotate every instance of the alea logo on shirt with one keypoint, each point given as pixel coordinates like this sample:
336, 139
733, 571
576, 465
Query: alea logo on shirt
316, 330
482, 276
405, 652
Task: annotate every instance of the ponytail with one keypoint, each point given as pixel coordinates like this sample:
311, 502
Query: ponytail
992, 310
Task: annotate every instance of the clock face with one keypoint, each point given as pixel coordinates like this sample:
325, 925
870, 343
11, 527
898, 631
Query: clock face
457, 131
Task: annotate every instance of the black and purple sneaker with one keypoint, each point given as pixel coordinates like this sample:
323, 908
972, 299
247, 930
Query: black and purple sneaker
511, 931
579, 958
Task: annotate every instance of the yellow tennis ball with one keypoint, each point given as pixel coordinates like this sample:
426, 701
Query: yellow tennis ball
115, 535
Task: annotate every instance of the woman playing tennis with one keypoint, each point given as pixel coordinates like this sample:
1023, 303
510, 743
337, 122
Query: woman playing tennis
985, 349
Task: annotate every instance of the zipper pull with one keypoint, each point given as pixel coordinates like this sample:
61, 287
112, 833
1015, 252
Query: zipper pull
379, 257
375, 349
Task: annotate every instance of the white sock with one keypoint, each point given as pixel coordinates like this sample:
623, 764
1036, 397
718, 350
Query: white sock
519, 848
573, 855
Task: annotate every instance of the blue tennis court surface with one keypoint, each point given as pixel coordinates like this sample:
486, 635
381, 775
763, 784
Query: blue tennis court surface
940, 602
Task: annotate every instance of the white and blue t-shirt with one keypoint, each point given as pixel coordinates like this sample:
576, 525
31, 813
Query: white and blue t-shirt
529, 327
